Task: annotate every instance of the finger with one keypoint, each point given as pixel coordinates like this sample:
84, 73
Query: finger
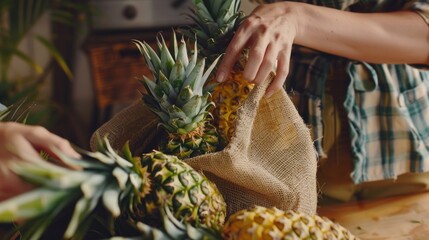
267, 65
51, 141
19, 147
281, 73
44, 140
64, 146
233, 51
256, 56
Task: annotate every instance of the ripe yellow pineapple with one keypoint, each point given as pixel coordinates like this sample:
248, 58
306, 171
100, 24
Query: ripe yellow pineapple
216, 23
272, 223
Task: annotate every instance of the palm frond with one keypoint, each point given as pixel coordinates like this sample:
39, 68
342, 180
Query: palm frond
56, 55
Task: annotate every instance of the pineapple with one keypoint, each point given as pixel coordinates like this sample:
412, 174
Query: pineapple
178, 97
130, 188
193, 198
272, 223
216, 23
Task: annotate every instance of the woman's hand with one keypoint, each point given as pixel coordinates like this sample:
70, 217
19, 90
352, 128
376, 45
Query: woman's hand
18, 142
269, 33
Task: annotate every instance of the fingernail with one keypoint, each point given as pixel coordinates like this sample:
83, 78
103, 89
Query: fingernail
221, 76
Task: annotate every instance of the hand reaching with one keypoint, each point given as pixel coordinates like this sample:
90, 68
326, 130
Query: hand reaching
18, 142
271, 29
269, 33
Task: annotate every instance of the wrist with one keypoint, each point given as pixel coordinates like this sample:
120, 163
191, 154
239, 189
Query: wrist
298, 15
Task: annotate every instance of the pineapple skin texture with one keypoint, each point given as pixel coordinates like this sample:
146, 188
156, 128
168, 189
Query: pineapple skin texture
228, 96
271, 224
189, 194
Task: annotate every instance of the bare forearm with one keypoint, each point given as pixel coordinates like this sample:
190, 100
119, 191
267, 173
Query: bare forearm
396, 37
272, 29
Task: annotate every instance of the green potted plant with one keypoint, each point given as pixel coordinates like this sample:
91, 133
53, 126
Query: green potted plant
17, 19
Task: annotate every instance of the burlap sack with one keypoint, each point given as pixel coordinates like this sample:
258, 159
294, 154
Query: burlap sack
270, 160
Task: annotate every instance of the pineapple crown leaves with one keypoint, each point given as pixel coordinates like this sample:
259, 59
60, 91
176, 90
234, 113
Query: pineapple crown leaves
94, 181
178, 120
216, 22
215, 17
175, 75
177, 94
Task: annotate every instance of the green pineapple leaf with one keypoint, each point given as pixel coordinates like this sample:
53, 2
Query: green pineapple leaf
177, 76
29, 205
193, 106
111, 199
166, 85
182, 55
193, 61
167, 60
193, 78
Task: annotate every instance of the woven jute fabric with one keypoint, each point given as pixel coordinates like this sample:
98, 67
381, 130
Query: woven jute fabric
270, 160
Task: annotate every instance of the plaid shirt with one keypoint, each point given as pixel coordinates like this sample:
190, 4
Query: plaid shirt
388, 108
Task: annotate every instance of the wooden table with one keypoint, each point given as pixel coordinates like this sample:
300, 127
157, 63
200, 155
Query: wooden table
403, 217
